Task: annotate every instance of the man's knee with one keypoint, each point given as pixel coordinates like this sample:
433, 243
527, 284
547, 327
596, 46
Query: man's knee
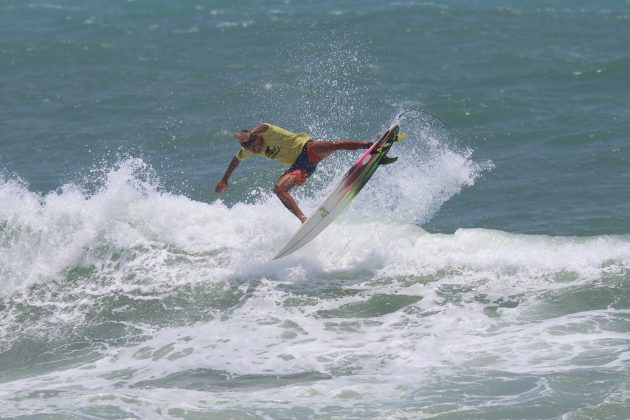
290, 180
283, 185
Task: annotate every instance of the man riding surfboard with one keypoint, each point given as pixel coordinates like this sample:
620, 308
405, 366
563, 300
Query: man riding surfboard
296, 149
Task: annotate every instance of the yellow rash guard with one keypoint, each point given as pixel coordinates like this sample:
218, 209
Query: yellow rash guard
280, 144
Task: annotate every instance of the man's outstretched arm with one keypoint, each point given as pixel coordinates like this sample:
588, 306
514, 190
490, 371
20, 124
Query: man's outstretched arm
223, 183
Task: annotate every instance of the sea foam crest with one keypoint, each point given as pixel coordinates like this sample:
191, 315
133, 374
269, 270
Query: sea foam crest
41, 235
134, 234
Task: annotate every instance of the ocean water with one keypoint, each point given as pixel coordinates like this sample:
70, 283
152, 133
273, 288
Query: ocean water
486, 274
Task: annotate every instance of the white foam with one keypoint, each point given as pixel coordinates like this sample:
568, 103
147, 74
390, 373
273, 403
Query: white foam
147, 244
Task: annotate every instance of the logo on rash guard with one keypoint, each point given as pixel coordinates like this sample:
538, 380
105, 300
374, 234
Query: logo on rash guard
272, 151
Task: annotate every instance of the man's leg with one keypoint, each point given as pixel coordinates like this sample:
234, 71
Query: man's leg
323, 148
287, 181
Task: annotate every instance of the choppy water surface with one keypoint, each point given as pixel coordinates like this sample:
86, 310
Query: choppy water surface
484, 275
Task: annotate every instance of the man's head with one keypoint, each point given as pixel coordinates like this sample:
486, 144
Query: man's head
249, 141
242, 136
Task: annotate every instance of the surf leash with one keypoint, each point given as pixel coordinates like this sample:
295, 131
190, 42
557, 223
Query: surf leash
420, 111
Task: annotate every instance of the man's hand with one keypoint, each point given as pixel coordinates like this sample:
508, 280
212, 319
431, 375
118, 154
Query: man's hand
221, 186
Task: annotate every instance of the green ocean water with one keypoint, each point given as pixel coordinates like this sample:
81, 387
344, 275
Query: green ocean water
484, 275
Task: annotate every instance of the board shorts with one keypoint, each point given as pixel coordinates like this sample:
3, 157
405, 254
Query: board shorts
305, 164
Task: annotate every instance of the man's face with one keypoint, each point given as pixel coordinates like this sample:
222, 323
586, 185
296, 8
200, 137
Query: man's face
255, 145
241, 136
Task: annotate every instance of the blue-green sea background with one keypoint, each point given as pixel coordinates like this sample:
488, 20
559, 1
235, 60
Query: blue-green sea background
484, 275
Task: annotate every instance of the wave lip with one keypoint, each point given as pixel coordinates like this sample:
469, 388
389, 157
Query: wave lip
42, 237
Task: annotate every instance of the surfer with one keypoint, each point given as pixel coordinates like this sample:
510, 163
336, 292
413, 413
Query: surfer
296, 149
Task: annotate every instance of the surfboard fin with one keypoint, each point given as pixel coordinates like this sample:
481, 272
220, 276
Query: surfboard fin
386, 160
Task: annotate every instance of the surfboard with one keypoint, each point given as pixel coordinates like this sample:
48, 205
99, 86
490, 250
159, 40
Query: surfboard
349, 186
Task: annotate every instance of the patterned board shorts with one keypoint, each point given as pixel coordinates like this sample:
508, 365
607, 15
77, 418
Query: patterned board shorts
305, 164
